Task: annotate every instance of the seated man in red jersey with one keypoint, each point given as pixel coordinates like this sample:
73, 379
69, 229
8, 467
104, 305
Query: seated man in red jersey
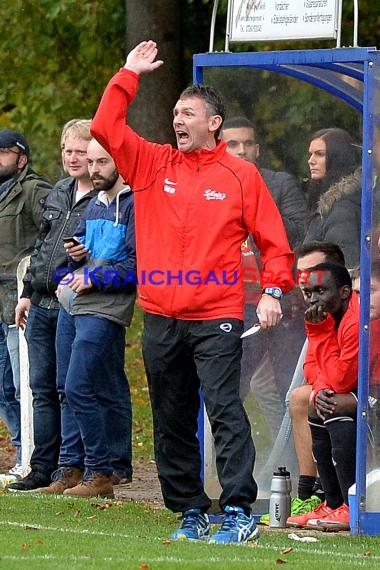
331, 365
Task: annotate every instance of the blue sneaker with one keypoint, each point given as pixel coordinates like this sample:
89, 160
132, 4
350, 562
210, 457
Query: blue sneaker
195, 526
236, 528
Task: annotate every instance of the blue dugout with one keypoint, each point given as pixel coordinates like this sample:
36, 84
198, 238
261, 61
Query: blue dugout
351, 76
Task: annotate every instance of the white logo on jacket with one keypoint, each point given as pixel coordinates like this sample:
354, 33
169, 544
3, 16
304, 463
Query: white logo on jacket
226, 327
168, 186
214, 195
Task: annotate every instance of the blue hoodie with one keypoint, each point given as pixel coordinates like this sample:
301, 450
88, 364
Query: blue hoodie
108, 231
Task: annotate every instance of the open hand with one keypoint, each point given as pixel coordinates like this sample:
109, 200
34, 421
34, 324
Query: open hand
142, 58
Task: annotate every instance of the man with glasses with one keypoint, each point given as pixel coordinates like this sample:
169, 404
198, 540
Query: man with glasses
22, 199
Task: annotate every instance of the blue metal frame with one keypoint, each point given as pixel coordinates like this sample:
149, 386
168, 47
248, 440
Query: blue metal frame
365, 522
323, 68
317, 67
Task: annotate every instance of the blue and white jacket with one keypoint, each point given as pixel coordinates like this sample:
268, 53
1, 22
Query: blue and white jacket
108, 231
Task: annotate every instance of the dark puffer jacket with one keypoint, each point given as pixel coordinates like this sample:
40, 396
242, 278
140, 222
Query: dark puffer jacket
60, 219
338, 218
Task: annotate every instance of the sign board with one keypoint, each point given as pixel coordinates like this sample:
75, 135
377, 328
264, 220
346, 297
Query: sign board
258, 20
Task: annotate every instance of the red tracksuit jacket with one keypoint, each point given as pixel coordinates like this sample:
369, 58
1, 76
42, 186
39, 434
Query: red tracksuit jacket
193, 211
332, 356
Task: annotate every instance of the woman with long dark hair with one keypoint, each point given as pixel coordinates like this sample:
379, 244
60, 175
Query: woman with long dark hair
335, 192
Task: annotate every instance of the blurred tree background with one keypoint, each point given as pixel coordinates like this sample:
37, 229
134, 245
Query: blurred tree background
56, 58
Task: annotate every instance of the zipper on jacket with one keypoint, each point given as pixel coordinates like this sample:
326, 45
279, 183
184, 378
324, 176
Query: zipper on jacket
68, 213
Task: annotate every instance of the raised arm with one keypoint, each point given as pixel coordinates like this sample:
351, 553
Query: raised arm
129, 150
142, 59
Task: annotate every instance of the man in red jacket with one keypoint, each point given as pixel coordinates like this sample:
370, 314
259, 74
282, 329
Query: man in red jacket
194, 207
331, 365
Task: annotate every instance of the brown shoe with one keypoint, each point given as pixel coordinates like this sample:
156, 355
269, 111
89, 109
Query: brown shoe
97, 485
63, 478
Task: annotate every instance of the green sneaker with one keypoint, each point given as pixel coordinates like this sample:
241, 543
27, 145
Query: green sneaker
298, 507
264, 519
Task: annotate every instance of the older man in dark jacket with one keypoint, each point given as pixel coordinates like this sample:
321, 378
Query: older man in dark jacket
22, 199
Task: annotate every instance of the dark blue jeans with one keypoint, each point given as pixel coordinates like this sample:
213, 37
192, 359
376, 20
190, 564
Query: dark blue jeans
95, 395
40, 335
9, 405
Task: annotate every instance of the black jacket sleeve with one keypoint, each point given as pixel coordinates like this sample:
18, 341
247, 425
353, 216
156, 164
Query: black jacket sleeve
291, 202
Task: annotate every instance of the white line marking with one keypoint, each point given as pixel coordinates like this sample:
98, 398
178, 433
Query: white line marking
68, 530
357, 556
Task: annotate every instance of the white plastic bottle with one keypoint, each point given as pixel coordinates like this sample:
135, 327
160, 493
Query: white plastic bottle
280, 499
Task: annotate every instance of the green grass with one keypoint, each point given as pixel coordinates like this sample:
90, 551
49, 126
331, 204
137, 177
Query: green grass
39, 532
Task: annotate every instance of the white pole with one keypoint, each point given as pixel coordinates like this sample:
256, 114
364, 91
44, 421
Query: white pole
356, 22
212, 29
25, 391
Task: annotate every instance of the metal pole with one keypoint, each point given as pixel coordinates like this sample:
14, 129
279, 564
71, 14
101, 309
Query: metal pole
356, 22
228, 26
26, 408
212, 29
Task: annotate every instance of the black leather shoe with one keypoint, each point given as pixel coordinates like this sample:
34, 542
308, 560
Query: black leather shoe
33, 480
118, 479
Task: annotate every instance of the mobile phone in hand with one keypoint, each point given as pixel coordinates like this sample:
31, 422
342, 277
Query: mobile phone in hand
72, 240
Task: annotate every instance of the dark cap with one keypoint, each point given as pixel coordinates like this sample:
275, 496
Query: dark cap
9, 138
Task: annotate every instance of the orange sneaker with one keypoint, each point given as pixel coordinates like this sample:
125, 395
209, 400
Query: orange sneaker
339, 519
301, 520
